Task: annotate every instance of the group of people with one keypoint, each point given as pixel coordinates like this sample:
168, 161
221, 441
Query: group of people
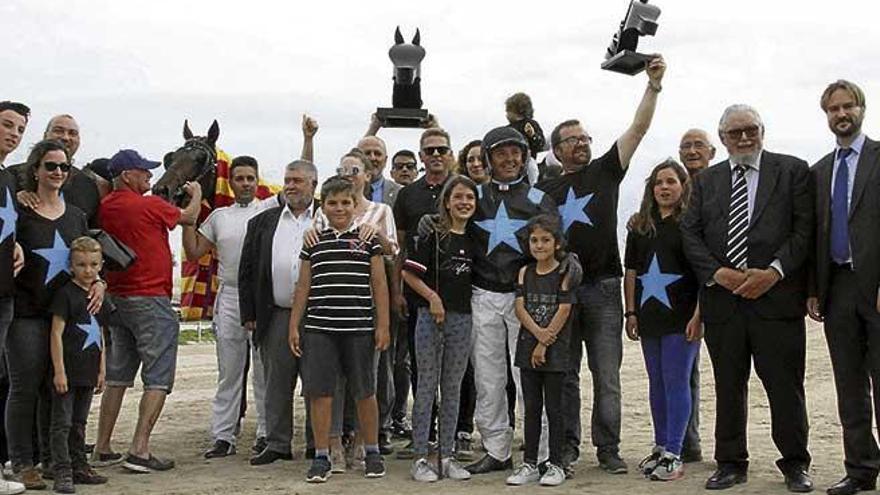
483, 279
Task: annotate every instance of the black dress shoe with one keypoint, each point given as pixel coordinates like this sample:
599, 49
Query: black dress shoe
798, 481
268, 457
849, 485
488, 464
724, 478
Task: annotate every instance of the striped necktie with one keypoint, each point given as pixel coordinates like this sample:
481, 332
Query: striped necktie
738, 222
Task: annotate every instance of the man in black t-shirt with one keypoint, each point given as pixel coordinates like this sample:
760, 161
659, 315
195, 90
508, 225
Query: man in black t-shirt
587, 194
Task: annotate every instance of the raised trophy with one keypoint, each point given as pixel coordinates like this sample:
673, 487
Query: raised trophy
640, 20
406, 99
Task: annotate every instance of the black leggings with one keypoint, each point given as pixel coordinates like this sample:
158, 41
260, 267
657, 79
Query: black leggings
542, 389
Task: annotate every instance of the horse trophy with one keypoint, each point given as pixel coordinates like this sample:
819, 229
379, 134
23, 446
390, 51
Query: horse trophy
621, 56
406, 97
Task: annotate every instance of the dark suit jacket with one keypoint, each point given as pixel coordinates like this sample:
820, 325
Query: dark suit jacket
781, 228
864, 223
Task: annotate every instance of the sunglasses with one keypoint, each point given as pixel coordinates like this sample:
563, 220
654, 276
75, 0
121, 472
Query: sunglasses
400, 166
348, 171
51, 166
440, 150
750, 132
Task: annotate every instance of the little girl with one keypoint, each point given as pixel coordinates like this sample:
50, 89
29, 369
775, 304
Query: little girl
543, 306
662, 311
440, 272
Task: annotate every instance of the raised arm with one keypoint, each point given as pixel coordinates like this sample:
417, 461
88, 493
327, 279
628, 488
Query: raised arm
629, 141
309, 128
190, 214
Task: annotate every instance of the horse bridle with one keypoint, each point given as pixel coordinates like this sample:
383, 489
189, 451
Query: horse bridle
206, 166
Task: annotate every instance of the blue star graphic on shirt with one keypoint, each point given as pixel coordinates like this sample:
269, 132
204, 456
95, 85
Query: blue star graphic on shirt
58, 257
93, 333
9, 217
655, 282
574, 209
502, 229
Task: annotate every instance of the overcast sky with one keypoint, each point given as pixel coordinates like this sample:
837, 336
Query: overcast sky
132, 71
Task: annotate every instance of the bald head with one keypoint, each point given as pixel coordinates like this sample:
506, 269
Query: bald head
374, 148
696, 150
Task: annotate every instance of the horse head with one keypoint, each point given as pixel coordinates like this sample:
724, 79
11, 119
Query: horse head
196, 160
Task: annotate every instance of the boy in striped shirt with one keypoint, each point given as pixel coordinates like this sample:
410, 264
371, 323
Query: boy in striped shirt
339, 321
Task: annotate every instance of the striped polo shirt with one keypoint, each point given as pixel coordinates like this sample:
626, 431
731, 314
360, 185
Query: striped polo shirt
340, 298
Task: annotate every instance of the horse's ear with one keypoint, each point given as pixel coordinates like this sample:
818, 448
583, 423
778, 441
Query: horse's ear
167, 159
398, 38
416, 38
213, 133
187, 134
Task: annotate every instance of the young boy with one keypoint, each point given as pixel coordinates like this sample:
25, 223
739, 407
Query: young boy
342, 280
77, 346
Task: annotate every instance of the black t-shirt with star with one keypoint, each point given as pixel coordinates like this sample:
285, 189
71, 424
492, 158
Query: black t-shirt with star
82, 334
8, 216
447, 270
666, 287
498, 229
588, 202
46, 254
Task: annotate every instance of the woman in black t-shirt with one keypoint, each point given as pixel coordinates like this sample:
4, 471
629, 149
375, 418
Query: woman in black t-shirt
662, 311
45, 234
440, 272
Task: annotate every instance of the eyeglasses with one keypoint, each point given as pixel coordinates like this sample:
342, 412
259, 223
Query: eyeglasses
51, 166
698, 145
406, 165
582, 139
440, 150
750, 132
348, 171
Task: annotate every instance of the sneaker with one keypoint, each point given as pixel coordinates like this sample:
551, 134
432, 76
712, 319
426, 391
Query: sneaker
221, 448
10, 487
85, 475
385, 447
611, 463
554, 476
453, 470
31, 479
669, 468
360, 455
137, 464
374, 465
260, 445
63, 482
527, 473
401, 429
422, 471
406, 452
647, 465
464, 446
104, 459
320, 470
337, 461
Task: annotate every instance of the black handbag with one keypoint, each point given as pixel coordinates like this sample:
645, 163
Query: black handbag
117, 256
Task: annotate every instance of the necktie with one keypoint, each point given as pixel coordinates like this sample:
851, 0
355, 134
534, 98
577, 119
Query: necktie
840, 210
738, 221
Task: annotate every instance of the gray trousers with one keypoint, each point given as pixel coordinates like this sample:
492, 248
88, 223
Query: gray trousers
280, 369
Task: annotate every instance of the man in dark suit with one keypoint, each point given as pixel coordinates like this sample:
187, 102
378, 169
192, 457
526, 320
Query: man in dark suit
845, 275
747, 233
267, 276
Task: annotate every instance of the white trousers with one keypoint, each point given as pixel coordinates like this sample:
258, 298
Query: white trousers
233, 342
495, 331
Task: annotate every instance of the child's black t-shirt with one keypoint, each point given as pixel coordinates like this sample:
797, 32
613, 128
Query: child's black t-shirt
542, 295
82, 334
454, 259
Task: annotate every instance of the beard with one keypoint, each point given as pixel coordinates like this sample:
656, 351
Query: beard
855, 127
746, 158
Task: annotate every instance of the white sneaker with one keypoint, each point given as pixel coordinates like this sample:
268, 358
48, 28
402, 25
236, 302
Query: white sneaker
337, 461
527, 473
422, 471
453, 470
10, 487
554, 476
650, 462
669, 468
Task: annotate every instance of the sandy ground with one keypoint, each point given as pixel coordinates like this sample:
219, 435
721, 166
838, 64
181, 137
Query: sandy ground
182, 433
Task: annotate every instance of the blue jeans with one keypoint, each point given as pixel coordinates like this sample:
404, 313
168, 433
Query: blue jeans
599, 325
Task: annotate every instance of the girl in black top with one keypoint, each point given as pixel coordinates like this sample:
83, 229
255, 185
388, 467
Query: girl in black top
45, 234
440, 272
543, 306
662, 311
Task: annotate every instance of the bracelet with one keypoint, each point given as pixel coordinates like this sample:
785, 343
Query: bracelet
629, 313
655, 87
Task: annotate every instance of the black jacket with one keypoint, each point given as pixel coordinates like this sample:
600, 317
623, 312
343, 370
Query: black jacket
781, 227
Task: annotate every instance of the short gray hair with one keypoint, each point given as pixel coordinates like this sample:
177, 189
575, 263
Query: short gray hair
737, 108
305, 166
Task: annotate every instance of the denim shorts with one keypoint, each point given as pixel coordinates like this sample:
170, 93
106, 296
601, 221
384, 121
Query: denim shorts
145, 336
328, 355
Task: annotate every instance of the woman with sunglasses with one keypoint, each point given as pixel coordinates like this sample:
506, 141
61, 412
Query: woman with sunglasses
373, 219
44, 232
